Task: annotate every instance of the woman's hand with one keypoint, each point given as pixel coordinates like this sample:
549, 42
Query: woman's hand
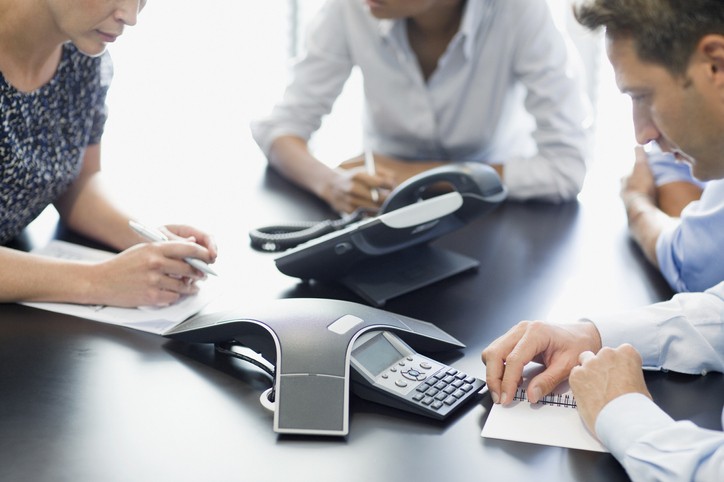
189, 233
147, 274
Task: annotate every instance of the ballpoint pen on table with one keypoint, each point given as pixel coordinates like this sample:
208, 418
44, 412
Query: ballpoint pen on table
153, 234
370, 167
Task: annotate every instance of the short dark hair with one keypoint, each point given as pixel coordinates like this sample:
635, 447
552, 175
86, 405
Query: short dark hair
664, 32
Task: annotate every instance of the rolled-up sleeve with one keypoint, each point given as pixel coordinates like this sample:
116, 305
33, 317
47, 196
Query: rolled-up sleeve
318, 78
551, 72
690, 253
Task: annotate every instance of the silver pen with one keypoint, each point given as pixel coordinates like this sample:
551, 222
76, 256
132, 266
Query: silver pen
153, 234
370, 167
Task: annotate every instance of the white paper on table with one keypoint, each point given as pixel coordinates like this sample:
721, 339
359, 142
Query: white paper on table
149, 319
555, 422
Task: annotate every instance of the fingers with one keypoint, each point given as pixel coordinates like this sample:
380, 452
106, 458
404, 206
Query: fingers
640, 155
555, 346
585, 356
505, 359
546, 381
194, 236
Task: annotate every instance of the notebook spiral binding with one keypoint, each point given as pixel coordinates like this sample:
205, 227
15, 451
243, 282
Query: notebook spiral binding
557, 399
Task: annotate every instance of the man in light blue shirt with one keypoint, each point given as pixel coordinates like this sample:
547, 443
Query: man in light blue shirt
677, 220
669, 57
444, 80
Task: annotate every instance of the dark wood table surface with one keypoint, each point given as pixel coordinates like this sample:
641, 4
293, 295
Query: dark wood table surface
86, 401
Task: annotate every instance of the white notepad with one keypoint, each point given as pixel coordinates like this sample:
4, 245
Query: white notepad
553, 421
149, 319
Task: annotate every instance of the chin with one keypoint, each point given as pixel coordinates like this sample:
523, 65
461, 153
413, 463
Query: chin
91, 49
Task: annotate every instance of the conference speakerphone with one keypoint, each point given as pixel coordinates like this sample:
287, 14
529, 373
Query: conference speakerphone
313, 348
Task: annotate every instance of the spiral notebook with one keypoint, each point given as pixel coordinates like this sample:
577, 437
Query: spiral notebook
552, 421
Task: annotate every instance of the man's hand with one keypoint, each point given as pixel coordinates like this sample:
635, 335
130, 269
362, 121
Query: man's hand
640, 183
601, 378
555, 346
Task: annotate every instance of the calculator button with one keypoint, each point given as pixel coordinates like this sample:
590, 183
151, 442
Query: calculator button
458, 394
385, 376
451, 371
422, 388
401, 383
424, 365
409, 358
450, 400
441, 385
427, 400
449, 389
448, 379
433, 391
457, 383
436, 405
418, 397
466, 388
470, 380
441, 396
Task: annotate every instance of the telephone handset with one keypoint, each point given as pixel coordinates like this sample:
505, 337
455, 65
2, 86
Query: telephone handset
478, 184
471, 179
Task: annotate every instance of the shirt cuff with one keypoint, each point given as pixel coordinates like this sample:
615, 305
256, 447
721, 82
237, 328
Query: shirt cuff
626, 419
619, 328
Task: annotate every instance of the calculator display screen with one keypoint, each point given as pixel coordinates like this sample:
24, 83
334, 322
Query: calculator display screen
377, 354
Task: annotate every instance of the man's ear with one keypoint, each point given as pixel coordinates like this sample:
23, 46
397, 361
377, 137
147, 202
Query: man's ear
711, 51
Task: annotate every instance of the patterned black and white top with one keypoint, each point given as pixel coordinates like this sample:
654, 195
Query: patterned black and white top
44, 133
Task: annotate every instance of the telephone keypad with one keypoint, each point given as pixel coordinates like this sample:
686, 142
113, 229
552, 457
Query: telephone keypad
445, 388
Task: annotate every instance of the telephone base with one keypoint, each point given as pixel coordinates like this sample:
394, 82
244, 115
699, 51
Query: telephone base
386, 277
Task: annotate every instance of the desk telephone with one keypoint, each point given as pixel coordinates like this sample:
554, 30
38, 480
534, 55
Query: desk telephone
389, 255
318, 350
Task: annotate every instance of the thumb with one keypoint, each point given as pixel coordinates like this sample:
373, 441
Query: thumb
544, 383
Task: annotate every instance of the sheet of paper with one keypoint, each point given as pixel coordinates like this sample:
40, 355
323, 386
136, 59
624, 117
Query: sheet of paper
150, 319
554, 423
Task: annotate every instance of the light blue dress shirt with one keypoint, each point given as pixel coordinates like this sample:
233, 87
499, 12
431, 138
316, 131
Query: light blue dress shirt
506, 91
690, 253
685, 334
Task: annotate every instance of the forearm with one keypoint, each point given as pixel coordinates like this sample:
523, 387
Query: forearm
290, 156
673, 197
646, 222
86, 208
27, 277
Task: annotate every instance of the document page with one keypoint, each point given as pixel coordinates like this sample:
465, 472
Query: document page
149, 319
553, 421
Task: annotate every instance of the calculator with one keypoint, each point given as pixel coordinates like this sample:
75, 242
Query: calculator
388, 371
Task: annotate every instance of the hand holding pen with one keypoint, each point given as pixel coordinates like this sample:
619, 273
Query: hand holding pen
156, 235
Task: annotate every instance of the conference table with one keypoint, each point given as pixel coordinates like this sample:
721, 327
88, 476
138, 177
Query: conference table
88, 401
